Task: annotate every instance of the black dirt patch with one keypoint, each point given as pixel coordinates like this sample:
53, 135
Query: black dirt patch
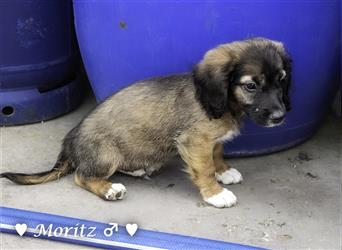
300, 158
304, 156
311, 175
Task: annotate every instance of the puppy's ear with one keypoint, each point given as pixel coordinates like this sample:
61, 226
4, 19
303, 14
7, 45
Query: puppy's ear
287, 64
211, 78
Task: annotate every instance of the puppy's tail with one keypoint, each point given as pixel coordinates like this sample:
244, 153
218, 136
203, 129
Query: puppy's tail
61, 168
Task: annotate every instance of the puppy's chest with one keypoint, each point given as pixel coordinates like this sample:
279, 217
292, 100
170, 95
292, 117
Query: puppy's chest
229, 135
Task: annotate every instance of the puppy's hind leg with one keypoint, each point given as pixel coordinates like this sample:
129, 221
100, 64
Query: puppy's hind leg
101, 187
94, 177
224, 173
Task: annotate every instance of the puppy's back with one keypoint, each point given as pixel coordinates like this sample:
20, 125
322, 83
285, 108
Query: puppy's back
153, 103
144, 119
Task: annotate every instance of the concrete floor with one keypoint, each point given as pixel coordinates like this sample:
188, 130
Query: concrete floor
288, 200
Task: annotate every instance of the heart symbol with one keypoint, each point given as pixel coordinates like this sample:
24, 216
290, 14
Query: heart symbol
21, 228
131, 229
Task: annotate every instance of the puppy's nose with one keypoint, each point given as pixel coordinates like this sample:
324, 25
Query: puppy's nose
277, 116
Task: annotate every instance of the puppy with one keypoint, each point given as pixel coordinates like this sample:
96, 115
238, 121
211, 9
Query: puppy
137, 129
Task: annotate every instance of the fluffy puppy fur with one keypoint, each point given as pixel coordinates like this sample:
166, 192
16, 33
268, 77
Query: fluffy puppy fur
137, 129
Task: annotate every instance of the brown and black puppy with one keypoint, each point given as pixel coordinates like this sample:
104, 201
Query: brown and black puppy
151, 121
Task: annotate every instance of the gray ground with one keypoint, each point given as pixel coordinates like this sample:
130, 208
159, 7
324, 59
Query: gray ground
288, 200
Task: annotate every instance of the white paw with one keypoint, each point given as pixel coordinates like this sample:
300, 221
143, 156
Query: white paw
230, 176
223, 199
116, 192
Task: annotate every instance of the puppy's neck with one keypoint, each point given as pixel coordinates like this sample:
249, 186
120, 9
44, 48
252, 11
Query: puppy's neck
235, 111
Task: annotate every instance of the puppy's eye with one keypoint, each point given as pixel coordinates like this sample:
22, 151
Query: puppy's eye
250, 86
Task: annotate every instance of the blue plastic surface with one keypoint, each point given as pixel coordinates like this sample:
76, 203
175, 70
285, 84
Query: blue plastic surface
125, 41
38, 60
143, 239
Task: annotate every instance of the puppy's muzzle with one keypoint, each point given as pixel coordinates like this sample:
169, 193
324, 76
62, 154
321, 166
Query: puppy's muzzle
277, 117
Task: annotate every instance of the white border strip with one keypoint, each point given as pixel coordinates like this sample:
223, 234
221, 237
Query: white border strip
92, 240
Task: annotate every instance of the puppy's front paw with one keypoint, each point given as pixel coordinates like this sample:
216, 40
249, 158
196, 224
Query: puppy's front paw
116, 192
230, 176
223, 199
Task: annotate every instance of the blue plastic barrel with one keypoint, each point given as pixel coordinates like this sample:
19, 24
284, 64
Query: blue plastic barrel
125, 41
38, 60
